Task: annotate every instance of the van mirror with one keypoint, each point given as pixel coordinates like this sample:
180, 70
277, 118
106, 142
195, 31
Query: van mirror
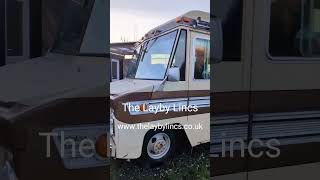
217, 39
174, 74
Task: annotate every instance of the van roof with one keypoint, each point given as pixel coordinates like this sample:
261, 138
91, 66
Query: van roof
204, 18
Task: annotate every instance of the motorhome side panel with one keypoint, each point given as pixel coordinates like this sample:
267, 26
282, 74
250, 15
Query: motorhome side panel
285, 85
230, 88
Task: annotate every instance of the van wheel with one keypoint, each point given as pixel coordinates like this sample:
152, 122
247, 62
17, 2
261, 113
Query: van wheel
158, 146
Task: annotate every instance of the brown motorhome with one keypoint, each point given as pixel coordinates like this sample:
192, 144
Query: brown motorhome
267, 87
53, 111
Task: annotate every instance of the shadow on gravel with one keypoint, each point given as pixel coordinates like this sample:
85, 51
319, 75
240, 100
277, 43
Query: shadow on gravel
194, 164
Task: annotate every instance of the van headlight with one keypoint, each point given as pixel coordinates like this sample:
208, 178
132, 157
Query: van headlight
82, 146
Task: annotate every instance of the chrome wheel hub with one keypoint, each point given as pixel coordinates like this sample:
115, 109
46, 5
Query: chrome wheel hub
158, 146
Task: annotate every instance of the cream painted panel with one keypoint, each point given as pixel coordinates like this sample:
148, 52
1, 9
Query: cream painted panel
228, 76
175, 86
285, 76
200, 85
129, 141
199, 136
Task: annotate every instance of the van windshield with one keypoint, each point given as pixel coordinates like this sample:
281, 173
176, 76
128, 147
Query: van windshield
74, 21
155, 56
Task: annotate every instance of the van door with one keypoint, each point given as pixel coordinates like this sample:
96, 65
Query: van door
177, 91
286, 89
199, 87
179, 60
230, 91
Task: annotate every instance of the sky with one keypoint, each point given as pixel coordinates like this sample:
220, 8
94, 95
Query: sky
131, 19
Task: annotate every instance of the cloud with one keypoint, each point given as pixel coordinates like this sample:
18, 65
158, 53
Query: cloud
132, 19
159, 6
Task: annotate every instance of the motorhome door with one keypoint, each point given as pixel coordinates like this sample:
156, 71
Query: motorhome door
230, 87
199, 85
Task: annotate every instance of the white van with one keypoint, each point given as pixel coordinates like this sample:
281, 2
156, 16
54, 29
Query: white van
173, 70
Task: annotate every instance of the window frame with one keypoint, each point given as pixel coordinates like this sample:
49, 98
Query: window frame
282, 59
118, 69
203, 37
171, 53
175, 51
242, 38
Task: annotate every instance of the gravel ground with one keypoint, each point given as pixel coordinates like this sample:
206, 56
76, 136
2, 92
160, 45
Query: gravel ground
184, 166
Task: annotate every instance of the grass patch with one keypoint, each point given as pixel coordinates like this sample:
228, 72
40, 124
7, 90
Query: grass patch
184, 166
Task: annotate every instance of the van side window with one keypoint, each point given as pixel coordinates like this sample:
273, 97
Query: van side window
201, 59
115, 69
295, 28
231, 13
179, 59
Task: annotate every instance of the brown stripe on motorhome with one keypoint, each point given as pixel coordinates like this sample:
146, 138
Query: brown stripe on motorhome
285, 101
229, 103
264, 102
125, 117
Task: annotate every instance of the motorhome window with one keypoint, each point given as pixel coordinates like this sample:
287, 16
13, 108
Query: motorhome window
179, 59
230, 12
295, 28
154, 61
75, 18
201, 59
